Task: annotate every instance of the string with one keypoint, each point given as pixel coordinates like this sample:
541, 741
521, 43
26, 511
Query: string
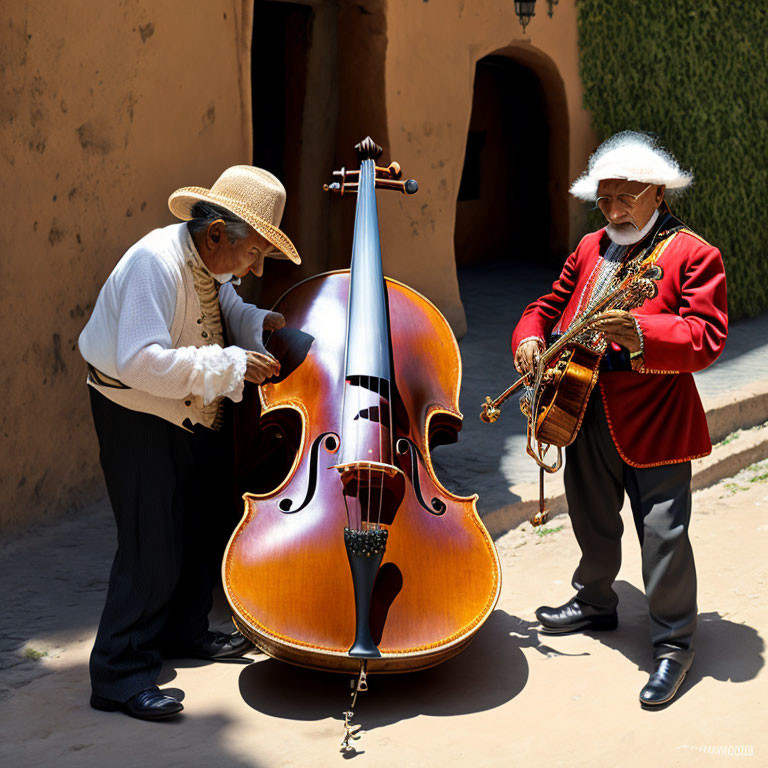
346, 509
350, 517
385, 384
379, 392
368, 389
358, 490
381, 458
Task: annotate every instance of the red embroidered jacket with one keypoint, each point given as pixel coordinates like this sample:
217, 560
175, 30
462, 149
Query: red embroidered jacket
655, 414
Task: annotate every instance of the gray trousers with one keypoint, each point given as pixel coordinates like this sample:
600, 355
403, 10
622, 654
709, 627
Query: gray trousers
596, 478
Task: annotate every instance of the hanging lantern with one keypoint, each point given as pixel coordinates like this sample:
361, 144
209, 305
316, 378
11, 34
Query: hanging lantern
525, 10
552, 4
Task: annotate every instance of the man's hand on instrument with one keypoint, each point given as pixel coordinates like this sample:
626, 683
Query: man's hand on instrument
259, 367
620, 328
527, 352
273, 321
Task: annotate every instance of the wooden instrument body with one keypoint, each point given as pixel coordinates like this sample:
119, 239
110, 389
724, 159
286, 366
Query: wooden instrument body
567, 371
565, 390
285, 570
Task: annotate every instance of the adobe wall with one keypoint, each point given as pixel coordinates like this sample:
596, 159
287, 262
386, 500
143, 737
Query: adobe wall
106, 108
432, 48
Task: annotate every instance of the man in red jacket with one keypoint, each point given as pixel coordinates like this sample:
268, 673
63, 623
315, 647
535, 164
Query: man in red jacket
644, 422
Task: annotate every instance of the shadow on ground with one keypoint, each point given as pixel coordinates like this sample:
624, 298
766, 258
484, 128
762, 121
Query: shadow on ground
56, 726
489, 673
725, 650
489, 458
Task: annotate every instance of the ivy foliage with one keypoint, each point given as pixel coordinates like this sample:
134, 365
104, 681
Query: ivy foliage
694, 74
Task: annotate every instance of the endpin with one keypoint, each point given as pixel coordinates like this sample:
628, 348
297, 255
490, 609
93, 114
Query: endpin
352, 730
351, 733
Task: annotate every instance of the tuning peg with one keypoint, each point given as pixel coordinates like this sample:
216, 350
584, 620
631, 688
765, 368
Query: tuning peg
392, 171
408, 187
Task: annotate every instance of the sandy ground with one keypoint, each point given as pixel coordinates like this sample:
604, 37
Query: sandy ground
512, 698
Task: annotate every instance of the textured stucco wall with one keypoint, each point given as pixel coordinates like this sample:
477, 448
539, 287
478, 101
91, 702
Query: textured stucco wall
432, 48
106, 108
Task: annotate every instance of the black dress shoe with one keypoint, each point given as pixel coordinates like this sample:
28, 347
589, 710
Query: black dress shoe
218, 645
663, 684
151, 704
574, 616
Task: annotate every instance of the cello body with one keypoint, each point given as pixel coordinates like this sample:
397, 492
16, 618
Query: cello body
405, 581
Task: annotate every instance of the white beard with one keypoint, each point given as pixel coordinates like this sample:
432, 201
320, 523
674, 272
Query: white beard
226, 278
629, 234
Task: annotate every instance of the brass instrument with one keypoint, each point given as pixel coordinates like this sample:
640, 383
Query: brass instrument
557, 390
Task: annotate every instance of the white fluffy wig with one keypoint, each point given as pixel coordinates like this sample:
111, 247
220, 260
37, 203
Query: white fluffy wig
633, 156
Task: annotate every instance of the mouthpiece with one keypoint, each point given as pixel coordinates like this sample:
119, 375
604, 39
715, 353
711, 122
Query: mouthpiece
490, 412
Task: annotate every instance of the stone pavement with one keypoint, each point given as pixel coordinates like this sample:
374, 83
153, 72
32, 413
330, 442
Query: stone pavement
512, 698
490, 459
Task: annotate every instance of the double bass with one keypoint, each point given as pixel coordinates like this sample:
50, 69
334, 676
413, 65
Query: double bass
359, 560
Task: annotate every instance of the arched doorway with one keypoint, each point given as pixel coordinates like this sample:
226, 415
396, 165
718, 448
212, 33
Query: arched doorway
279, 63
512, 200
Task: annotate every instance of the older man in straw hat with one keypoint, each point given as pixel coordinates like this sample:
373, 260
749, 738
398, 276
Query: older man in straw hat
169, 339
644, 422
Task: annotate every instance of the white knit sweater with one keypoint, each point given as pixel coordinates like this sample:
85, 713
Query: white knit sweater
146, 330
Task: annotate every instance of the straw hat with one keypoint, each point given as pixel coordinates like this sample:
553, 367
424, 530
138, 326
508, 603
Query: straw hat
631, 155
253, 194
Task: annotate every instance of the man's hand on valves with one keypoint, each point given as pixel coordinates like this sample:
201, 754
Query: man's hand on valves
527, 352
620, 328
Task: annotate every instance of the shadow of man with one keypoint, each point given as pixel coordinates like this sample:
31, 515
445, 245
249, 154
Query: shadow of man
490, 672
725, 650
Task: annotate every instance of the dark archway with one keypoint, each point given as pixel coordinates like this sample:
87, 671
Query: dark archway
512, 202
317, 76
279, 54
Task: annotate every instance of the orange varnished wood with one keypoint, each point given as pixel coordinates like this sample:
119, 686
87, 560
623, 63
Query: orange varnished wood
564, 398
286, 575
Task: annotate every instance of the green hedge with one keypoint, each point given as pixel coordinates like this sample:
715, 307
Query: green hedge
694, 73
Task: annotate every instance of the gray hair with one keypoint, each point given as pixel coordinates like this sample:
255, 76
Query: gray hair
631, 155
204, 214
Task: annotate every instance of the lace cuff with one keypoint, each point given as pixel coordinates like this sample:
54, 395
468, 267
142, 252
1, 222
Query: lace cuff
223, 372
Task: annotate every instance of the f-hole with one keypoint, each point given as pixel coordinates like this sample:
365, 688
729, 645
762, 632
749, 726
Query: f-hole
405, 446
330, 442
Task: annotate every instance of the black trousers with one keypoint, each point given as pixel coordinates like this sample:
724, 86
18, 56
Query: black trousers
596, 478
165, 486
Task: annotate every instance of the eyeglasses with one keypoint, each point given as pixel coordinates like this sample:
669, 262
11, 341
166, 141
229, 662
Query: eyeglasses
266, 253
624, 199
